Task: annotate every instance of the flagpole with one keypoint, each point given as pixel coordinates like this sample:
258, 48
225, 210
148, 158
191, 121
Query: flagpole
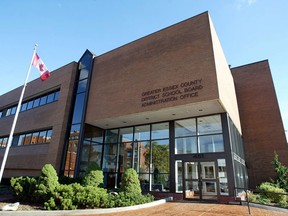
16, 117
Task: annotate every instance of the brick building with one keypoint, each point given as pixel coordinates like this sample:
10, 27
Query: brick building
167, 105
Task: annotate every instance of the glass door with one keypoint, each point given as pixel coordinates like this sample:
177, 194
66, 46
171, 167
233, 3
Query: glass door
200, 180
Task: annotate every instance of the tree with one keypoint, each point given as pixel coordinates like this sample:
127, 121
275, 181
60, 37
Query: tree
281, 171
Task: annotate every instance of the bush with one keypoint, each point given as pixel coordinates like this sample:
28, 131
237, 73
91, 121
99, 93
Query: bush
130, 182
24, 188
94, 178
46, 184
282, 173
272, 192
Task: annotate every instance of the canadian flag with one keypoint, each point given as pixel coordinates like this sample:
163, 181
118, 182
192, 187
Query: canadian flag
37, 62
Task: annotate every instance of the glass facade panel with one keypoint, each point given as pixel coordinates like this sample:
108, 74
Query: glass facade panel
30, 105
42, 137
125, 156
141, 156
186, 145
78, 108
223, 180
126, 134
56, 95
13, 110
178, 177
213, 143
110, 158
49, 135
160, 156
34, 138
4, 142
36, 103
142, 132
185, 127
50, 97
209, 125
82, 85
23, 107
43, 100
160, 130
111, 136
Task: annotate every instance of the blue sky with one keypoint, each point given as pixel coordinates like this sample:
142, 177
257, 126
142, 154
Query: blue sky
249, 31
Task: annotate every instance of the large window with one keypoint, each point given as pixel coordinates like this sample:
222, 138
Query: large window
144, 148
199, 135
37, 137
32, 103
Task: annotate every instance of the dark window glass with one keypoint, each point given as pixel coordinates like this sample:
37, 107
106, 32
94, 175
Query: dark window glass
34, 138
1, 139
0, 114
82, 86
49, 135
78, 108
15, 140
36, 102
209, 125
111, 136
43, 100
57, 95
30, 105
50, 97
21, 140
23, 107
42, 137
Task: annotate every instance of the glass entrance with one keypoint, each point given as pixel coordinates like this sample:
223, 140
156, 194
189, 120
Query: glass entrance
200, 180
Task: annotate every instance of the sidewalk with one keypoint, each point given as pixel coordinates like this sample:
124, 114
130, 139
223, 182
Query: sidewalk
160, 208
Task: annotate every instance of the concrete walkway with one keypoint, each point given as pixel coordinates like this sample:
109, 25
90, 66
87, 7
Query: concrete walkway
161, 207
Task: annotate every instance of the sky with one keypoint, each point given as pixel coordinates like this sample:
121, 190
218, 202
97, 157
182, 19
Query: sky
249, 31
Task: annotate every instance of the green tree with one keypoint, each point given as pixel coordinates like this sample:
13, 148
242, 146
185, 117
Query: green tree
282, 173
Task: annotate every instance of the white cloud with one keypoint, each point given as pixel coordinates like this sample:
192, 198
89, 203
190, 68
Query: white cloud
242, 3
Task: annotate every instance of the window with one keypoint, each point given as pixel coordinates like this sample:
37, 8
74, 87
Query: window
36, 102
43, 100
50, 97
23, 107
30, 105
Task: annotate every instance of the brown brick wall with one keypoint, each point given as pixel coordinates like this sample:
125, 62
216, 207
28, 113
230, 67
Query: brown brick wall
180, 53
27, 160
262, 127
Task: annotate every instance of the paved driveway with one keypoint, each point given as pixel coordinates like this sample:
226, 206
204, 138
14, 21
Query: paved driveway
196, 209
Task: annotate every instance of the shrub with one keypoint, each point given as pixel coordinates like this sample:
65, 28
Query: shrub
47, 183
94, 178
130, 182
24, 188
272, 192
282, 173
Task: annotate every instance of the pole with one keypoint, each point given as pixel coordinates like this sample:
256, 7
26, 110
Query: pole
16, 118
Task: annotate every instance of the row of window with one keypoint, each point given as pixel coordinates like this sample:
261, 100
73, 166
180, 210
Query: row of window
33, 103
36, 137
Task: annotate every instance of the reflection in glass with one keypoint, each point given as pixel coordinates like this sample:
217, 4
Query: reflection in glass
110, 158
142, 132
78, 108
160, 130
125, 156
111, 136
185, 127
160, 156
209, 125
186, 145
126, 134
82, 85
213, 143
178, 175
191, 170
222, 172
141, 156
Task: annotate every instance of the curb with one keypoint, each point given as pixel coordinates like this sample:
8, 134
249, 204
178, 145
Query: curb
86, 211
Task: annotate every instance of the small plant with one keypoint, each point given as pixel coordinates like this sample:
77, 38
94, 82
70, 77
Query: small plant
282, 173
23, 187
272, 192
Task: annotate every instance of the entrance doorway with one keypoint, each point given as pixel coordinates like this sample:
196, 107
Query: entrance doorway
200, 180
